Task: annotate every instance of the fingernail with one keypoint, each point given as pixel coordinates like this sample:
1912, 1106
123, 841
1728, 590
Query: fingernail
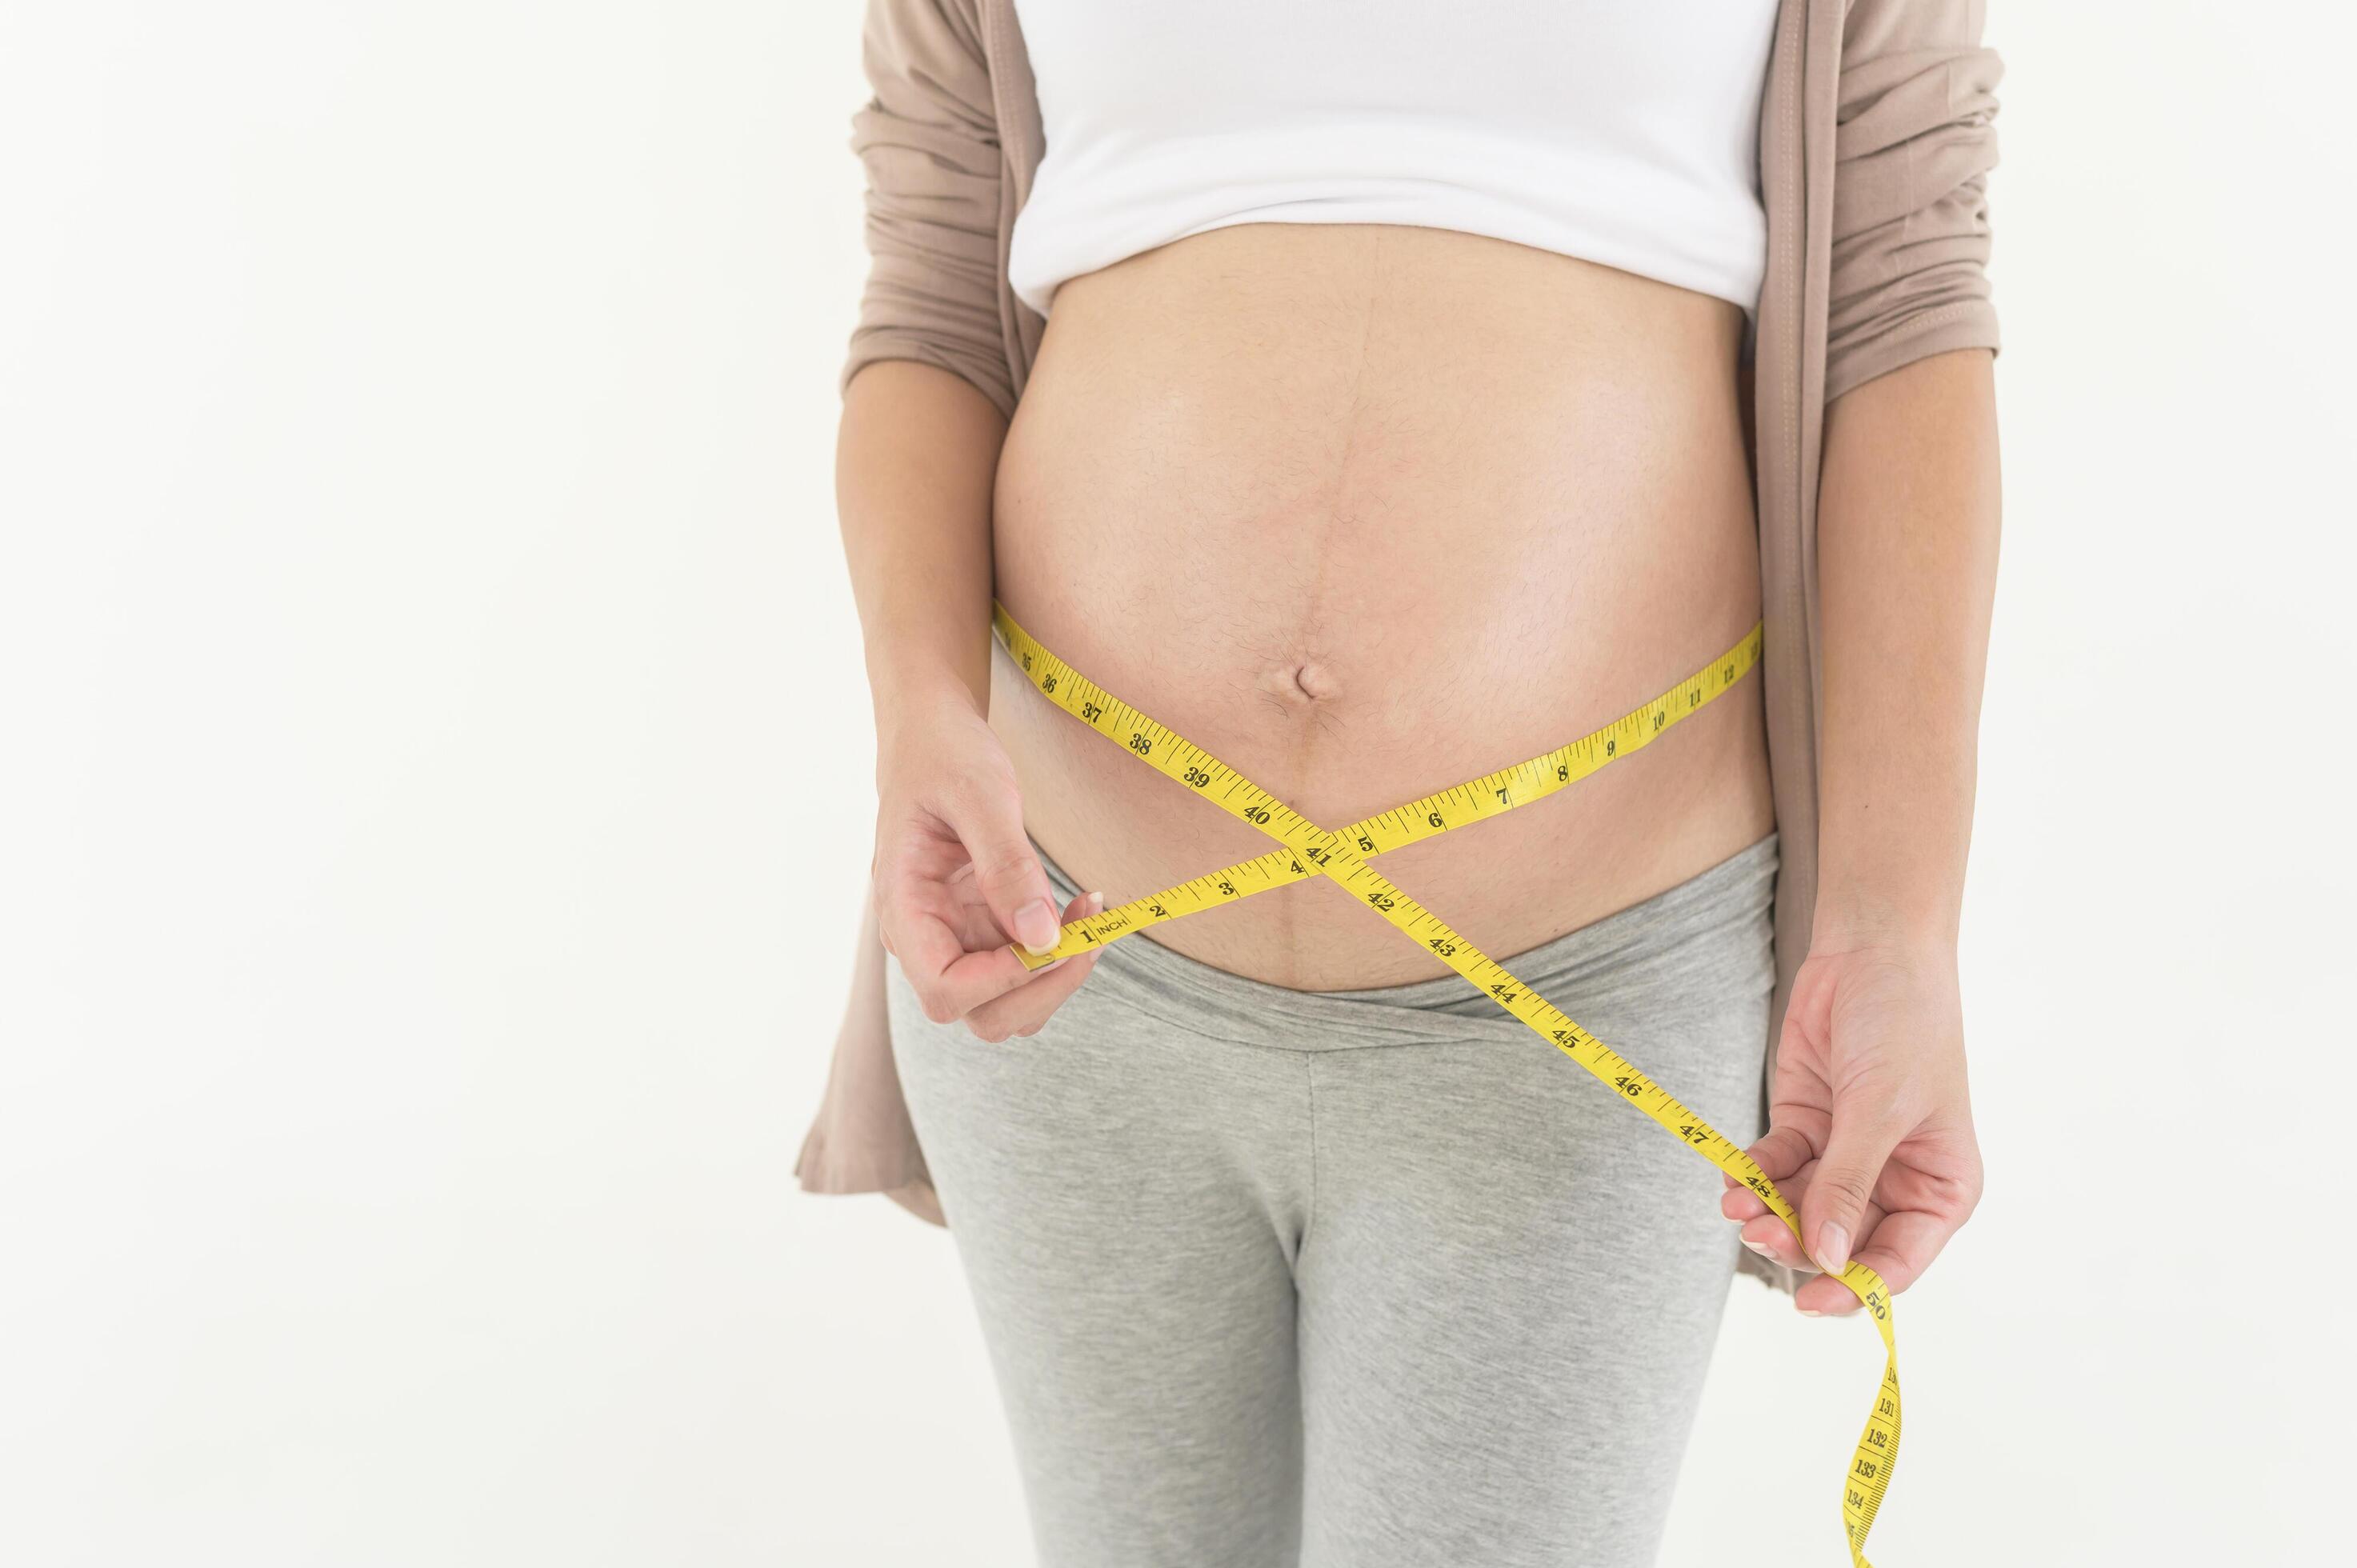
1036, 927
1832, 1247
1811, 1312
1761, 1248
1096, 903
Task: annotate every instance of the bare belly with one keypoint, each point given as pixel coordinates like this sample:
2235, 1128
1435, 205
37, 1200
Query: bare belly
1367, 512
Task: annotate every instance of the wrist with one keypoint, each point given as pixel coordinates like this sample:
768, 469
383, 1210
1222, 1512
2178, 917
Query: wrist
916, 703
912, 679
924, 714
1852, 918
1889, 884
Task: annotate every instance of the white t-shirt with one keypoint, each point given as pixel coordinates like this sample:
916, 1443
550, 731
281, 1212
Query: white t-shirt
1623, 132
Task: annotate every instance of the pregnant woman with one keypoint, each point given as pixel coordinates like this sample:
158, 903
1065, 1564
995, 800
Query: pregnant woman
1379, 394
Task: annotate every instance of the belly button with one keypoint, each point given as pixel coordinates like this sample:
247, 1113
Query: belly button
1315, 681
1301, 683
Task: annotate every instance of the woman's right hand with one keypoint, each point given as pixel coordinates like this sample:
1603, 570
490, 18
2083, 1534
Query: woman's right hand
956, 878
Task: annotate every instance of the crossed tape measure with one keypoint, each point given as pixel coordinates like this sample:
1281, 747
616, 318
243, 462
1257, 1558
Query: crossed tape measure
1342, 856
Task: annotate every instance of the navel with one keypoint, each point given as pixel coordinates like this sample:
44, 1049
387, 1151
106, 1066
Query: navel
1300, 683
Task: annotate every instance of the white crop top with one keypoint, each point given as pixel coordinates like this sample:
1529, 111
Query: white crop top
1623, 132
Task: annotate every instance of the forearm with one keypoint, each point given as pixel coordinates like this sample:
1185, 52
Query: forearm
1906, 549
915, 458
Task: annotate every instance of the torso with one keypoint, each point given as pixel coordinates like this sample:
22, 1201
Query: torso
1368, 510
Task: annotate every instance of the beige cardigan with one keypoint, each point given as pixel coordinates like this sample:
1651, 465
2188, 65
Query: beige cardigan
1875, 142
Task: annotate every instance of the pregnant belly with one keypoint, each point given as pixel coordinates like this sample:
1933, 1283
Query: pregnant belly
1366, 512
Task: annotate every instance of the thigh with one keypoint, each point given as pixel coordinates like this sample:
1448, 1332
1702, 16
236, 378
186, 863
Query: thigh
1511, 1290
1123, 1204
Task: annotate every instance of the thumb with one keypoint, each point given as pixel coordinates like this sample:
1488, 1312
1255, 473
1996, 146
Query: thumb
990, 825
1856, 1148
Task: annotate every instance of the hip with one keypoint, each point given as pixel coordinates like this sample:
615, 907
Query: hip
1680, 982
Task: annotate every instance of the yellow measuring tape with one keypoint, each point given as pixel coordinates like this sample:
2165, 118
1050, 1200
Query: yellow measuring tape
1312, 851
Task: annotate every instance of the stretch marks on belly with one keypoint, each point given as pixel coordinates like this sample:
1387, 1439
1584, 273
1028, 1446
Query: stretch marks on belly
1342, 856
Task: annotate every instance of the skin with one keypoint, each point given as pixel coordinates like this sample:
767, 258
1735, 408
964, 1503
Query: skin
956, 879
1870, 1127
1367, 511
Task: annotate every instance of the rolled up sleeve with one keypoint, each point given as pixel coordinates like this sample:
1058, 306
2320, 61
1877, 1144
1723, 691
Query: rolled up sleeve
1915, 140
928, 140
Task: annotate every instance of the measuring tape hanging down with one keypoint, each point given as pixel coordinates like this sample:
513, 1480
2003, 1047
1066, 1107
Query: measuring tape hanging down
1342, 856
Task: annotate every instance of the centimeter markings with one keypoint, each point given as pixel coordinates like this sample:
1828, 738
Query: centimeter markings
1474, 801
1310, 850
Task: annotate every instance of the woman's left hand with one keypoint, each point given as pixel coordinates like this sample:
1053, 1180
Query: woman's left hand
1870, 1127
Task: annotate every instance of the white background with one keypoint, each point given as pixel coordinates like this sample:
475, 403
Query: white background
426, 678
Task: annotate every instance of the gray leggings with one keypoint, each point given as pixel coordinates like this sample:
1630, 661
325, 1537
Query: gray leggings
1364, 1278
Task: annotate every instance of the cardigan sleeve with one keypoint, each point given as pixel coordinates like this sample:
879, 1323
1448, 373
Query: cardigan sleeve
928, 141
1913, 143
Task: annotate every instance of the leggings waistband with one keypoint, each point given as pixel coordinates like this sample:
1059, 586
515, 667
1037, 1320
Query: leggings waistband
1697, 943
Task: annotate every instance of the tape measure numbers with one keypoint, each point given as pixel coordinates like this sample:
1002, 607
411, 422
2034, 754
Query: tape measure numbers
1308, 850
